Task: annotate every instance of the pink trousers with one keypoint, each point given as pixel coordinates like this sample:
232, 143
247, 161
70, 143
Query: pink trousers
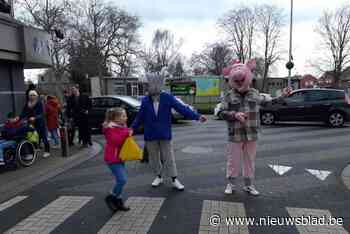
239, 153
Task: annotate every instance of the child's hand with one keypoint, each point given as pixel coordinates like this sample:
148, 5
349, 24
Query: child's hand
131, 132
241, 117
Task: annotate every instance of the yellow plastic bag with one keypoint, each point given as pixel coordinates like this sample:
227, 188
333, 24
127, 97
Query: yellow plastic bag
33, 137
130, 151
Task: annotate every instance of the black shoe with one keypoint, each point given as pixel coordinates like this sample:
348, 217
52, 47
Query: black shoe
90, 143
120, 204
111, 203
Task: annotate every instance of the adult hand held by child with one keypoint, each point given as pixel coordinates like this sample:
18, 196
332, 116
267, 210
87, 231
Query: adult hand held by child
202, 119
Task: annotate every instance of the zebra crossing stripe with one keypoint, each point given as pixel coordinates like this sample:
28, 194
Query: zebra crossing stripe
214, 214
51, 216
11, 202
138, 219
316, 221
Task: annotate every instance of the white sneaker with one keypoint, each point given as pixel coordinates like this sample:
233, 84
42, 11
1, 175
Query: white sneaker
178, 185
229, 188
251, 190
46, 154
157, 181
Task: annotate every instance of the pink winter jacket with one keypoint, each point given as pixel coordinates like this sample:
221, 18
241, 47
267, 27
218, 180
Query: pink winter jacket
115, 136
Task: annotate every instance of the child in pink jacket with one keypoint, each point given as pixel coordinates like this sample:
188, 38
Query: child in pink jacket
116, 132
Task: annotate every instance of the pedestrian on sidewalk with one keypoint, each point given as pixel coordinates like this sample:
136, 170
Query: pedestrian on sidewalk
78, 109
116, 131
53, 108
240, 108
155, 115
33, 111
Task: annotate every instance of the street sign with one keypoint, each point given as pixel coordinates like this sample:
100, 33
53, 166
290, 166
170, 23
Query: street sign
183, 88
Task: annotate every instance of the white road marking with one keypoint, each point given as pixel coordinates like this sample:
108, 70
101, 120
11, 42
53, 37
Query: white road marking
197, 150
214, 214
280, 169
316, 221
12, 202
51, 216
143, 211
320, 174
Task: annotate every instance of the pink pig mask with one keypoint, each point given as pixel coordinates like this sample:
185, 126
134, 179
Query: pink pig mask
240, 75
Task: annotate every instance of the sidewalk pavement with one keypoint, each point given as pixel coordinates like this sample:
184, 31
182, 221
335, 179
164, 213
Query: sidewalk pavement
16, 181
346, 176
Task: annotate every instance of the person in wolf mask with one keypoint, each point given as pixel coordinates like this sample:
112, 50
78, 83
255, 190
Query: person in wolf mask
155, 115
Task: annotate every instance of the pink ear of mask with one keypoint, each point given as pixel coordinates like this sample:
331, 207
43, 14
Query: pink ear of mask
226, 71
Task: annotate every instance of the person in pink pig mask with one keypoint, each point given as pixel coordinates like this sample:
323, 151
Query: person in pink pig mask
240, 108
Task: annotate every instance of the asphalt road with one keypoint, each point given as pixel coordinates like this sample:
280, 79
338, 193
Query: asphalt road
297, 172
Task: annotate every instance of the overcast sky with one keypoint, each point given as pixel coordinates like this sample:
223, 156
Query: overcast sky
195, 22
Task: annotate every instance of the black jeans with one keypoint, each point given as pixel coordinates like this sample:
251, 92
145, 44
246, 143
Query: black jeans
84, 130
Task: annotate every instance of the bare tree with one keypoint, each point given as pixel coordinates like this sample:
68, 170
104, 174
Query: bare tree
176, 67
213, 58
163, 51
239, 24
110, 30
269, 24
334, 29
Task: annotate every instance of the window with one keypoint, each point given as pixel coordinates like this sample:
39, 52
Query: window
336, 95
120, 90
112, 102
97, 102
315, 96
296, 97
134, 90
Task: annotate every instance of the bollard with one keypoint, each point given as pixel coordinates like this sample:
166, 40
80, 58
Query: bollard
64, 141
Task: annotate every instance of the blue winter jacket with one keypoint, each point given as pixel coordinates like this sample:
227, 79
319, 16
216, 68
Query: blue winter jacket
158, 127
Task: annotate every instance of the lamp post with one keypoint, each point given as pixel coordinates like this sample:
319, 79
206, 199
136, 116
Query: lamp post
12, 9
290, 64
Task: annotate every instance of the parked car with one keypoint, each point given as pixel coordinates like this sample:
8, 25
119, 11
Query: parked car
175, 115
217, 108
267, 96
328, 105
101, 104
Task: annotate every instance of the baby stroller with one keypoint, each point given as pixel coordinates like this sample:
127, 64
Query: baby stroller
19, 150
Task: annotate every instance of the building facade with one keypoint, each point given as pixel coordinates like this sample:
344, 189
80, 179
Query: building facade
130, 86
21, 47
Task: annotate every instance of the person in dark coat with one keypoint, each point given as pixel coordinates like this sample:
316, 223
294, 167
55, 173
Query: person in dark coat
78, 107
34, 111
31, 87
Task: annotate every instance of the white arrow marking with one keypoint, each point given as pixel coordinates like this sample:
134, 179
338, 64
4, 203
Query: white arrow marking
322, 175
280, 169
